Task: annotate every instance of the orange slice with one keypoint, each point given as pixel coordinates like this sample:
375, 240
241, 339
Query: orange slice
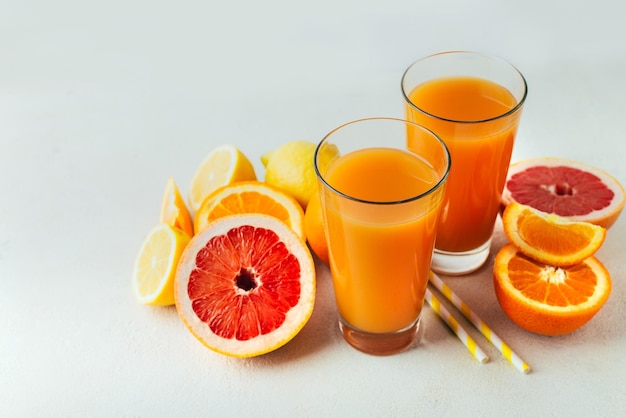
173, 209
245, 285
545, 299
550, 238
251, 197
155, 265
224, 165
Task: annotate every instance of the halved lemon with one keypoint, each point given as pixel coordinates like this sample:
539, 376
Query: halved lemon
155, 265
224, 165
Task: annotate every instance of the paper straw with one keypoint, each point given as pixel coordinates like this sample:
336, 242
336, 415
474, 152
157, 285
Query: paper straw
491, 336
465, 338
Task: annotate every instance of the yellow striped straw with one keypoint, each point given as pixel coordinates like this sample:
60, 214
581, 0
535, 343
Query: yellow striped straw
465, 338
491, 336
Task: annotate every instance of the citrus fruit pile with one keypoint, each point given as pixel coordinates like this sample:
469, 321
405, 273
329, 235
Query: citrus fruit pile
236, 263
547, 279
239, 270
555, 215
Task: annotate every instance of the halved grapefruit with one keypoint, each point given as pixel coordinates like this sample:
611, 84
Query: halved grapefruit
571, 189
245, 285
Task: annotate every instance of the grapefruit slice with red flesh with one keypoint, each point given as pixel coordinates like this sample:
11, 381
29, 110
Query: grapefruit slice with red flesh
245, 285
571, 189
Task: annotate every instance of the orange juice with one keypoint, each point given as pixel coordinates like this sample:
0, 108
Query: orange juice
380, 249
468, 117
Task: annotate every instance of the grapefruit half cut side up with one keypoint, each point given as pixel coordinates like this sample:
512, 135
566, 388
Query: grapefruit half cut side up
545, 299
245, 285
571, 189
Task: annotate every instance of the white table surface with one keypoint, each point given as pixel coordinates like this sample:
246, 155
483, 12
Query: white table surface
100, 102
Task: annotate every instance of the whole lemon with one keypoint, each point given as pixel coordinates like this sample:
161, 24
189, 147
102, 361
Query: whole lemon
290, 167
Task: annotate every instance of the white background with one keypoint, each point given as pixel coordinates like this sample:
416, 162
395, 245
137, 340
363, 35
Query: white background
100, 102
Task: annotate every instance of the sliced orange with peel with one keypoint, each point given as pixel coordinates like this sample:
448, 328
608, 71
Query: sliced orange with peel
174, 212
545, 299
549, 238
245, 285
156, 263
251, 197
224, 165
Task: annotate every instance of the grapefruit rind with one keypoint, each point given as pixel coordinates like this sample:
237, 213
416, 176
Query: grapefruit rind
543, 237
604, 217
296, 317
539, 317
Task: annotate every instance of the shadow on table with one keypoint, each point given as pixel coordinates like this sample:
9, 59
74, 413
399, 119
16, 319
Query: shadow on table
320, 332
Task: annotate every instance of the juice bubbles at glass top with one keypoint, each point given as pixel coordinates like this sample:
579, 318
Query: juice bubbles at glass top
380, 253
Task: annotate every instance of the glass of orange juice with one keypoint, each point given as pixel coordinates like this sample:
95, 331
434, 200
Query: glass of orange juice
474, 103
381, 203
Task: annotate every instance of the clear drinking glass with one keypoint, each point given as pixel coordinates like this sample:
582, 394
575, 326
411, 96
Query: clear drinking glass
381, 203
474, 103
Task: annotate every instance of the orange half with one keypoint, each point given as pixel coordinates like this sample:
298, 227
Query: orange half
549, 238
545, 299
251, 197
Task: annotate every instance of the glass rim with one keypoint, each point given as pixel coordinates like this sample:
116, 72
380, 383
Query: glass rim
511, 111
431, 190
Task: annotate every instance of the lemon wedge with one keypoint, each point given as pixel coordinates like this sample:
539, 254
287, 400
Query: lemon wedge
156, 263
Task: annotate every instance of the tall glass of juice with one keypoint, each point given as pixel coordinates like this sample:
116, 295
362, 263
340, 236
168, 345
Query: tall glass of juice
381, 203
474, 103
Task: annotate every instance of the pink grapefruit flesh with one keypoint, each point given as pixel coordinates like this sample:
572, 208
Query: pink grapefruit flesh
245, 285
567, 188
